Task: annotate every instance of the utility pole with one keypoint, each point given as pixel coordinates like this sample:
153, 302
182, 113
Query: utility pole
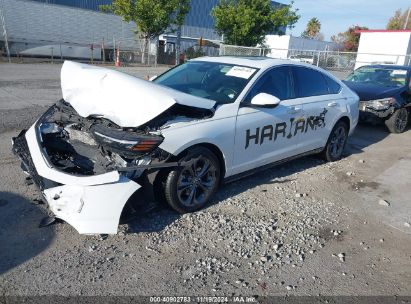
6, 43
406, 20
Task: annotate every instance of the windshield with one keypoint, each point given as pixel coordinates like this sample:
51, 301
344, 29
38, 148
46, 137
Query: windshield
380, 76
216, 81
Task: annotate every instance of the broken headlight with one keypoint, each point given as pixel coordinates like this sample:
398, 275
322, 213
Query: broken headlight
125, 143
381, 104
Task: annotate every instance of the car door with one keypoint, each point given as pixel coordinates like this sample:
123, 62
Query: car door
321, 104
265, 135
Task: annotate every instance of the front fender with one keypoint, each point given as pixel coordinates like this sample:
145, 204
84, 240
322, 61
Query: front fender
220, 133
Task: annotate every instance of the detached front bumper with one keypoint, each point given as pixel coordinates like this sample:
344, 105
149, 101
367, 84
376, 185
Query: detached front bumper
91, 204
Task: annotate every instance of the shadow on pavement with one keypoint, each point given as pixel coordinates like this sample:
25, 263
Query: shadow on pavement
153, 221
147, 215
20, 237
365, 135
161, 216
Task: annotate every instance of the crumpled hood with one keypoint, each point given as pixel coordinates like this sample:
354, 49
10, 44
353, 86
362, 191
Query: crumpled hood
125, 100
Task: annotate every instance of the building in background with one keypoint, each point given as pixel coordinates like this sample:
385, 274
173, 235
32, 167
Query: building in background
198, 28
48, 29
396, 48
198, 25
76, 28
84, 4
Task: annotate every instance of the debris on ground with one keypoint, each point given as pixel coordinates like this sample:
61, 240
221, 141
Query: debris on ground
383, 202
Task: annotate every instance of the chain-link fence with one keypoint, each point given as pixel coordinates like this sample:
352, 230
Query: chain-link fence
234, 50
118, 51
163, 51
336, 61
133, 51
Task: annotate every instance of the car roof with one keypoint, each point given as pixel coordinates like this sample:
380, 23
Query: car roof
253, 62
388, 66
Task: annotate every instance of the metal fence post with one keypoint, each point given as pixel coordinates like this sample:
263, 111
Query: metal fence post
178, 42
318, 58
6, 43
92, 53
148, 52
103, 52
114, 50
156, 51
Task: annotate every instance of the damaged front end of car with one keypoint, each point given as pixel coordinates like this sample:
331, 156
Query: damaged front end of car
89, 165
375, 110
86, 168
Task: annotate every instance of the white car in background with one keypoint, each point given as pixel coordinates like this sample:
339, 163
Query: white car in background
213, 119
302, 58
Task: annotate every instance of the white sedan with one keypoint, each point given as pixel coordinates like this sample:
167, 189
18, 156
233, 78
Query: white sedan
114, 138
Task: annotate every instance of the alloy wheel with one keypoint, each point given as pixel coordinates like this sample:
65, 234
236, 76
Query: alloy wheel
337, 142
402, 120
196, 182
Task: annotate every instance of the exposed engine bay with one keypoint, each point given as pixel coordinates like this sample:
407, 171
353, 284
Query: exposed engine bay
95, 145
78, 163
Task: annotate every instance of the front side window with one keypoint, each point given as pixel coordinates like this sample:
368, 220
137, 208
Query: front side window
216, 81
309, 82
382, 76
276, 82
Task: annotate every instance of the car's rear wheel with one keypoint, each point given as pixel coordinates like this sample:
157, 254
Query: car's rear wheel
190, 188
398, 121
336, 142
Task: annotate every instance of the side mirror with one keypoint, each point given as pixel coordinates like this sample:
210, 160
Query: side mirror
265, 100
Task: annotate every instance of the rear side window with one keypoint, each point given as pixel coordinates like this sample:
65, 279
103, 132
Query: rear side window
333, 86
309, 82
276, 82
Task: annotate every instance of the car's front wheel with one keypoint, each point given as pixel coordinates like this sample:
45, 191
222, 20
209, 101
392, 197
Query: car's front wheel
189, 188
398, 121
336, 142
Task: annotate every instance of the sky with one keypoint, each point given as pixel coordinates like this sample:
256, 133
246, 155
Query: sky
337, 15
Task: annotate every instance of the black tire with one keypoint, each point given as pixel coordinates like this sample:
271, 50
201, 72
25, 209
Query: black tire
191, 182
336, 142
398, 121
160, 186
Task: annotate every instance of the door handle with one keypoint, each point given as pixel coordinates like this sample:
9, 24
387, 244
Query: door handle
294, 110
333, 104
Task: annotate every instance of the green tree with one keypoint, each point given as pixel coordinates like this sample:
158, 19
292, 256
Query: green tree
400, 20
313, 29
349, 39
152, 17
246, 22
